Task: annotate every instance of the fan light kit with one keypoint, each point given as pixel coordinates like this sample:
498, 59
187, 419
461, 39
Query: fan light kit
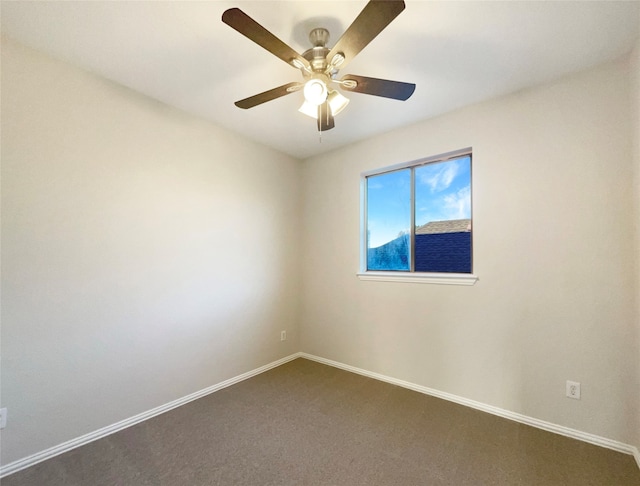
319, 64
336, 101
315, 91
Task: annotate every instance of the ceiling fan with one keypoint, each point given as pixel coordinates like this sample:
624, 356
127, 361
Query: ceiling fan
320, 64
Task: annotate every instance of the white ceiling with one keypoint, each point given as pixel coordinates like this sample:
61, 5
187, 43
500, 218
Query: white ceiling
457, 53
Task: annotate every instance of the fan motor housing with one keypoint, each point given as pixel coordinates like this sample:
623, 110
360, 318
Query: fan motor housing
317, 57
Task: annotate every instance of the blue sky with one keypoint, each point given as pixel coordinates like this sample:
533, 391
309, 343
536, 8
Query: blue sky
443, 192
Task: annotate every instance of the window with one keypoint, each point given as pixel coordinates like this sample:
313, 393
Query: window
416, 221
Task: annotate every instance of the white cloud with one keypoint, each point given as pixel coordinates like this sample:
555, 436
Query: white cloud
458, 204
439, 177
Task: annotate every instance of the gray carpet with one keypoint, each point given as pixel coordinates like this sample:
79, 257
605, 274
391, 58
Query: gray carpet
305, 423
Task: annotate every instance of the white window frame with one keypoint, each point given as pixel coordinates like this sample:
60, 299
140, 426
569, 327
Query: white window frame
400, 276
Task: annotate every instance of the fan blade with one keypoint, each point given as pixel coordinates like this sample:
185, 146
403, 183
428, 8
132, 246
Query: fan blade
325, 118
380, 87
272, 94
240, 21
375, 16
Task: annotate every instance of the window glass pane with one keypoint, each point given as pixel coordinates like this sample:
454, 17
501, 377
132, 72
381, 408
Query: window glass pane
443, 216
389, 221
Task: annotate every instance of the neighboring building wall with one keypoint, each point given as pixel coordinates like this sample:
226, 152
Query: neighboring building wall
553, 241
146, 254
444, 246
443, 252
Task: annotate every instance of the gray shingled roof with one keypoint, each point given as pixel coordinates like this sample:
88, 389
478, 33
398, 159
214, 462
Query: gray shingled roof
450, 226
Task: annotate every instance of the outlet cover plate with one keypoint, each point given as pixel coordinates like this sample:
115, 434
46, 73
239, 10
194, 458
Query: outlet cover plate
573, 389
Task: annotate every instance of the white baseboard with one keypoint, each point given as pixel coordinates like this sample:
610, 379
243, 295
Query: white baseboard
517, 417
110, 429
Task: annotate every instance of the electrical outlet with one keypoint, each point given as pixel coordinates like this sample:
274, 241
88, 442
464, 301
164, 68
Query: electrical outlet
573, 389
3, 418
283, 335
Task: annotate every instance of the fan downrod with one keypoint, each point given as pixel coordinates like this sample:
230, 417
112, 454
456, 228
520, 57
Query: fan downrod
319, 37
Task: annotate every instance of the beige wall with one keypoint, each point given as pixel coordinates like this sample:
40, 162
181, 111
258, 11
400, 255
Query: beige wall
635, 110
146, 254
553, 249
